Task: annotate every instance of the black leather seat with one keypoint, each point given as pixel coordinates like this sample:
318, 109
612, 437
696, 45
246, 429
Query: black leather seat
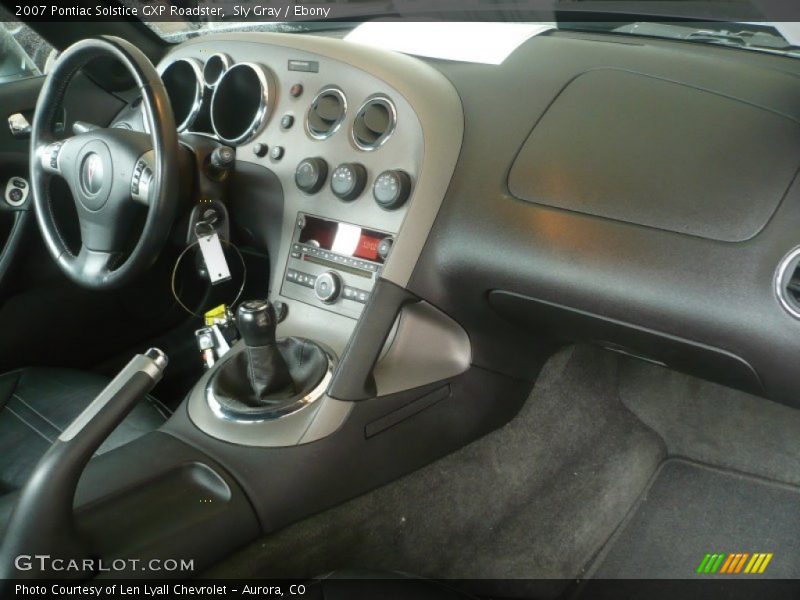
37, 404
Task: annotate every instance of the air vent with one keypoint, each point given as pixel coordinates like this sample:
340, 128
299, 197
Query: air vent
787, 282
326, 113
374, 123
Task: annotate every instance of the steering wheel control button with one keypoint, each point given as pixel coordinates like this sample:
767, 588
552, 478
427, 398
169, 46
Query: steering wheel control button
276, 153
260, 150
348, 181
311, 174
385, 247
391, 189
16, 192
287, 121
142, 177
49, 157
328, 286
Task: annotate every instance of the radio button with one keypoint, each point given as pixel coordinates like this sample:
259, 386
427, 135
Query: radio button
385, 247
328, 286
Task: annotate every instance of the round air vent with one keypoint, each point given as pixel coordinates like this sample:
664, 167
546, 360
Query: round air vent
787, 282
326, 113
374, 123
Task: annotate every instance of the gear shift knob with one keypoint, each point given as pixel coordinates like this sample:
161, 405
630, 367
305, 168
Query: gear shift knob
266, 368
257, 322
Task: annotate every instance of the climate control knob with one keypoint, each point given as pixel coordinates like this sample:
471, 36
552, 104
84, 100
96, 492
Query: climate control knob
311, 174
348, 181
328, 286
391, 189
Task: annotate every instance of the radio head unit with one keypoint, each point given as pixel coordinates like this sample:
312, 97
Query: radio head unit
334, 265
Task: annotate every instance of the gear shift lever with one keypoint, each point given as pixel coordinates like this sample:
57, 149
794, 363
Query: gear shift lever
266, 368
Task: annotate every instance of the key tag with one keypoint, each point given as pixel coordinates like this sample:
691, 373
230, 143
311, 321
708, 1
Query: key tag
211, 249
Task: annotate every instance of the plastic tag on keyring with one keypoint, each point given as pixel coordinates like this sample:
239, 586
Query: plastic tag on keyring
214, 257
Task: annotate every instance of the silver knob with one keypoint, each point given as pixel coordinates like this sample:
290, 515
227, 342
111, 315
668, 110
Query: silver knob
328, 286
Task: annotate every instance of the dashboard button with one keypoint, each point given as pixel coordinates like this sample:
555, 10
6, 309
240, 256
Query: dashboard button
385, 247
260, 150
311, 174
287, 121
276, 153
348, 181
296, 90
391, 189
328, 286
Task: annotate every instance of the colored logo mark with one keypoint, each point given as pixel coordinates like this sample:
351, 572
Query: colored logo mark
737, 563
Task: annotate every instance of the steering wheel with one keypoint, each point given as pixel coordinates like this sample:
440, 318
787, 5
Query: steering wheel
108, 172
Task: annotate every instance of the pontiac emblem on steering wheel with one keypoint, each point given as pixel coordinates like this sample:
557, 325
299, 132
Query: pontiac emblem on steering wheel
92, 174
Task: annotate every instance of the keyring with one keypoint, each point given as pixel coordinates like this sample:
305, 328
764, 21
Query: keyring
178, 262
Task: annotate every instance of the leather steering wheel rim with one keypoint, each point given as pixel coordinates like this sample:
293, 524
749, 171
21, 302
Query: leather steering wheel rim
103, 155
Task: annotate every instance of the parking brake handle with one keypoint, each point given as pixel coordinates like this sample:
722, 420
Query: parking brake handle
43, 521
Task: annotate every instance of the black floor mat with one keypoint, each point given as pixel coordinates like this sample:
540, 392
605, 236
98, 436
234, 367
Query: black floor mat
691, 510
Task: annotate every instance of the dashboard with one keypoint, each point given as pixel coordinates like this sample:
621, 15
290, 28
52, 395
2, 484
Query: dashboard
343, 157
345, 147
635, 194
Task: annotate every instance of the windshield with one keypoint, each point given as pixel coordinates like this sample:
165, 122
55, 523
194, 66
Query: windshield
179, 31
734, 23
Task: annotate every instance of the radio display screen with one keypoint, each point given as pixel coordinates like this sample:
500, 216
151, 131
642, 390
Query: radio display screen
342, 238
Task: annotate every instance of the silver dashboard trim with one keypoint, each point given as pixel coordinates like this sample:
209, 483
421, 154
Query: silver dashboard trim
227, 64
336, 126
199, 90
263, 112
434, 101
386, 101
778, 283
276, 413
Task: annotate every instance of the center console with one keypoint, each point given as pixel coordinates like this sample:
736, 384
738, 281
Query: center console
343, 156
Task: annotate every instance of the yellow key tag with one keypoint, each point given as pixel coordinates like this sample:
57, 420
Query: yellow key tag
216, 314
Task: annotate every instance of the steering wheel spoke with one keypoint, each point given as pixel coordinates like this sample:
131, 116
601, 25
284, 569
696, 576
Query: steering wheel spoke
92, 264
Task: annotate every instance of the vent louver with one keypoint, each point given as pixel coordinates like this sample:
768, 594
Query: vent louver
326, 113
374, 123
